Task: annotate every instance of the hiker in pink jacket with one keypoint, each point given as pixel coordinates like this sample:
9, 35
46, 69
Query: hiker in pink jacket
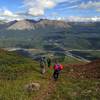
57, 68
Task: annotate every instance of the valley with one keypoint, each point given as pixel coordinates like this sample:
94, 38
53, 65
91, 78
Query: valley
81, 55
49, 34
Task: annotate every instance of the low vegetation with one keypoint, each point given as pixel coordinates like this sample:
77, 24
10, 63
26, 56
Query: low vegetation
16, 71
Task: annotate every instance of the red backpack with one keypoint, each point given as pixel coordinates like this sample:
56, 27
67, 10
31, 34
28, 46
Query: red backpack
58, 67
61, 67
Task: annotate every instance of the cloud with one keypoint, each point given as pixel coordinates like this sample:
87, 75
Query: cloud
91, 4
6, 14
32, 8
71, 7
70, 1
38, 7
82, 19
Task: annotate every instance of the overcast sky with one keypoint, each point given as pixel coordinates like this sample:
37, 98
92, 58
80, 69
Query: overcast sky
52, 9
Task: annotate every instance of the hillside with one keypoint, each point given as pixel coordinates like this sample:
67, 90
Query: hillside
79, 82
2, 22
90, 70
13, 65
17, 71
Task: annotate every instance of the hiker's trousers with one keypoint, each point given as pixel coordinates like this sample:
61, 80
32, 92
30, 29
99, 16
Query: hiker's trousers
56, 74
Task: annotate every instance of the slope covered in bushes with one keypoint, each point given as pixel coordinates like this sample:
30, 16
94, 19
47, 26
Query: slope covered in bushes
13, 65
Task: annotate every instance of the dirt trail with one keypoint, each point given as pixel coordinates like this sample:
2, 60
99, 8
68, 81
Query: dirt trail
44, 94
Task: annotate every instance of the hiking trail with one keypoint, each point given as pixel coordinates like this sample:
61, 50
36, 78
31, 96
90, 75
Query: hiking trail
46, 92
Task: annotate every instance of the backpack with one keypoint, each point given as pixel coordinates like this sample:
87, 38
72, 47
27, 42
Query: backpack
42, 63
61, 67
58, 67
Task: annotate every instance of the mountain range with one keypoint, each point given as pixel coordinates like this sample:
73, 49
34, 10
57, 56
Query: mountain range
32, 24
50, 34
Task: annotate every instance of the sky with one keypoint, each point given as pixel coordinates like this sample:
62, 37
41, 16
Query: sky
50, 9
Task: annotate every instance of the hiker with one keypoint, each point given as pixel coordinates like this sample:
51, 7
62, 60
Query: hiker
43, 65
57, 68
49, 62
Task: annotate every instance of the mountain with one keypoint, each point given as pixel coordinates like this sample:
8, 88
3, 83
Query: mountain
50, 34
5, 25
2, 24
2, 21
21, 25
52, 23
31, 24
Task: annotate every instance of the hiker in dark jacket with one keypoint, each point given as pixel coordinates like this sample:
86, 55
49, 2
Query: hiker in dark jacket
57, 68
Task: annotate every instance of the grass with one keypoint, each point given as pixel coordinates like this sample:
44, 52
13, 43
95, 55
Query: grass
70, 60
68, 88
95, 53
15, 89
13, 65
17, 71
